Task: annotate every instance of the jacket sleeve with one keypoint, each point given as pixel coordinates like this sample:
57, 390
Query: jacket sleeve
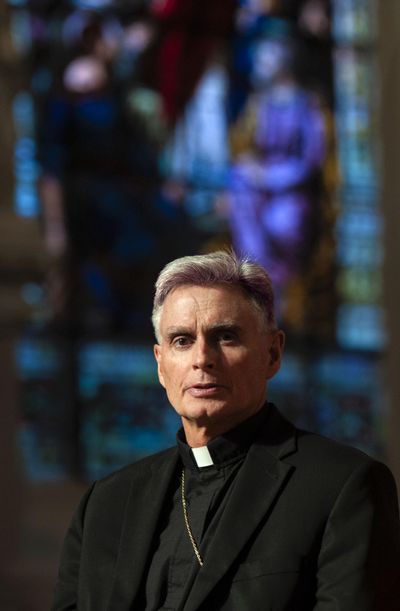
66, 591
359, 561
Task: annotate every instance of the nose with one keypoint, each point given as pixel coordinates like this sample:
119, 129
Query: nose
204, 354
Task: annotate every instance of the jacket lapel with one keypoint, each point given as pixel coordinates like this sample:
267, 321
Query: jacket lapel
259, 482
143, 509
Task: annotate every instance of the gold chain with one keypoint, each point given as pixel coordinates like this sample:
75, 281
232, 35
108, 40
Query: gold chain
185, 515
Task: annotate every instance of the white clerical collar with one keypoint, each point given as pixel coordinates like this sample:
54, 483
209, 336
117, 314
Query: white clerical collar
202, 457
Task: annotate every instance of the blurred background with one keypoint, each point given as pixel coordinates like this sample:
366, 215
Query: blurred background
136, 131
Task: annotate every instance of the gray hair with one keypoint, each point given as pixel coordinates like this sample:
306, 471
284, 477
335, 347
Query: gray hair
217, 268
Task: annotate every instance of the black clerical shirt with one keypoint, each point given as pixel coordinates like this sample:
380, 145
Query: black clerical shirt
173, 565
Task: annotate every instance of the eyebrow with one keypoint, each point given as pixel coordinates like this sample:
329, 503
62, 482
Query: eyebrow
173, 331
225, 326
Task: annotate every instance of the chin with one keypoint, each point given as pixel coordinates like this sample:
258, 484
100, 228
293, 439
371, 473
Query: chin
202, 409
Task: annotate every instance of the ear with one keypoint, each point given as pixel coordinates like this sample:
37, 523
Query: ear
158, 357
275, 352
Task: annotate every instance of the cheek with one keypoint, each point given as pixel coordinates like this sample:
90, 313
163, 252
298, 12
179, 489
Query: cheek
257, 372
168, 375
245, 375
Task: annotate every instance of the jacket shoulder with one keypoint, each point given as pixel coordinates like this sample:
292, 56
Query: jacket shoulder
329, 466
307, 447
329, 452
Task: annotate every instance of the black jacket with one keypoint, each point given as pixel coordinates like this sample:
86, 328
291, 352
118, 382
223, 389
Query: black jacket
310, 525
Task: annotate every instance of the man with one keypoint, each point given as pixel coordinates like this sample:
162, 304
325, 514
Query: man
247, 512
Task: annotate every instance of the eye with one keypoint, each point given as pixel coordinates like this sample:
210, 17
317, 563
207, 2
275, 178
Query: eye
227, 336
182, 341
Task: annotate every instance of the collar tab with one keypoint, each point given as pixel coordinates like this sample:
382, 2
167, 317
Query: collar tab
202, 457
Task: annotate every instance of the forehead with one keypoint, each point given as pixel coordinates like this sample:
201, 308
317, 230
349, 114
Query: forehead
209, 303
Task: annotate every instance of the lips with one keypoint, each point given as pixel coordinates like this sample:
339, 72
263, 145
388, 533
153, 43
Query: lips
205, 390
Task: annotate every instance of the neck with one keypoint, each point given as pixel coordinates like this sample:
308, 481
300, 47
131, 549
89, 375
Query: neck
198, 435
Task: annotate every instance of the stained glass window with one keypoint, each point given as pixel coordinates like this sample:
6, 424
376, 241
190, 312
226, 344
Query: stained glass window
146, 131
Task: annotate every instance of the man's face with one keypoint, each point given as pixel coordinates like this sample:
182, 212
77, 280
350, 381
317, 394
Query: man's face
215, 356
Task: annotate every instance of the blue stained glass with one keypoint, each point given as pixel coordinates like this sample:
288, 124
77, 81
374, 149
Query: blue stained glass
361, 222
23, 110
26, 171
20, 30
359, 251
361, 327
26, 202
93, 4
353, 21
125, 411
25, 148
35, 358
117, 362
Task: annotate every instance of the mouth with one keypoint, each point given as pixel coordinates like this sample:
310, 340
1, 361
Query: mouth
205, 390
